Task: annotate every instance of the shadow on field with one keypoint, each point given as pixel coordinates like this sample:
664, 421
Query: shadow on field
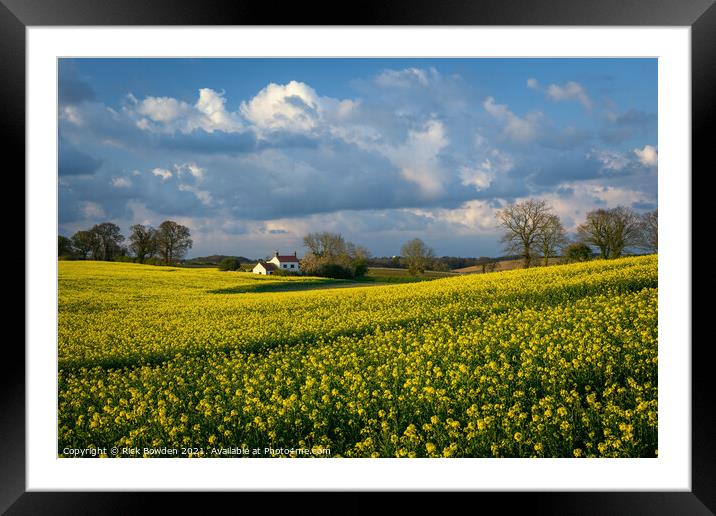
289, 286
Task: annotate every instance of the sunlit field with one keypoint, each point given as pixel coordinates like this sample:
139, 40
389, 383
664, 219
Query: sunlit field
554, 361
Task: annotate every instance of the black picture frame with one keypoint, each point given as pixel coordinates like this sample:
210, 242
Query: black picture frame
700, 15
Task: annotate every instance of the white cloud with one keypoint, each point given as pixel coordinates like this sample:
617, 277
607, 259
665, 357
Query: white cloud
569, 91
293, 107
91, 210
216, 118
163, 109
203, 195
520, 129
71, 114
190, 168
610, 160
588, 196
121, 182
482, 175
162, 172
417, 157
647, 156
169, 114
407, 77
474, 216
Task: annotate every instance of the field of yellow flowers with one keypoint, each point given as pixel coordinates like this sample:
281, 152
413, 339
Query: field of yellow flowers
548, 362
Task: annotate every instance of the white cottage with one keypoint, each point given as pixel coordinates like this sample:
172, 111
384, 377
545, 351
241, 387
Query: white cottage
264, 268
287, 262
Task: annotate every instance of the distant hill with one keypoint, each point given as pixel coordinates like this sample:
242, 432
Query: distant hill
507, 263
214, 259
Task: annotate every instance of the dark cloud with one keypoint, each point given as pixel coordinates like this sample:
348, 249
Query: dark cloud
202, 142
635, 117
628, 125
73, 162
72, 89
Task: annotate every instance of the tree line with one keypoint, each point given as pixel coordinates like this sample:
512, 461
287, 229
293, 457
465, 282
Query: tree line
330, 255
166, 244
532, 230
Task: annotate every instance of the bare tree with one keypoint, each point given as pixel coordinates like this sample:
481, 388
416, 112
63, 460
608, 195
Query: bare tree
551, 237
110, 241
330, 255
325, 245
650, 231
523, 222
173, 240
143, 241
417, 255
611, 231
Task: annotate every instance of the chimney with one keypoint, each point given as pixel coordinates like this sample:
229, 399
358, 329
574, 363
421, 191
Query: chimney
276, 253
294, 254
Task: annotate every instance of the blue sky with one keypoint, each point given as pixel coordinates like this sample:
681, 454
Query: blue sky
252, 154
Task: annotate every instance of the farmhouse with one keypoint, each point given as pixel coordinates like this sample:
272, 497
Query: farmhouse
287, 262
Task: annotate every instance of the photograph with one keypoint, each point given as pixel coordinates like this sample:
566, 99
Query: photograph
354, 257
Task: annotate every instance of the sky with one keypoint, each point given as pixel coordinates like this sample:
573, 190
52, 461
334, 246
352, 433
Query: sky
253, 154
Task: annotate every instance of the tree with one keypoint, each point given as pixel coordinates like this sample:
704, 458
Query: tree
359, 256
173, 240
523, 222
229, 264
330, 255
486, 263
86, 243
611, 231
577, 252
650, 231
551, 237
325, 244
64, 246
417, 255
143, 241
110, 241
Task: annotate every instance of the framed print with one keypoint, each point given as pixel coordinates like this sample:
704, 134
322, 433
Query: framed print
421, 249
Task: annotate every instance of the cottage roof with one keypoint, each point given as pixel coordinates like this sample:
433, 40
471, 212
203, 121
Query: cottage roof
268, 266
287, 258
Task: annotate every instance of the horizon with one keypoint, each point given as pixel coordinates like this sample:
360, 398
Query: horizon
252, 154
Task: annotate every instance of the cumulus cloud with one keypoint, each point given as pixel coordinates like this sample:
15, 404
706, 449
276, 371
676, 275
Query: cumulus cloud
163, 109
482, 175
570, 90
203, 195
167, 114
294, 107
121, 182
407, 78
91, 210
162, 172
609, 159
191, 169
517, 128
417, 157
647, 156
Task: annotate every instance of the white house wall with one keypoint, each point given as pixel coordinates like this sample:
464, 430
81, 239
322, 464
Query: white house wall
287, 267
